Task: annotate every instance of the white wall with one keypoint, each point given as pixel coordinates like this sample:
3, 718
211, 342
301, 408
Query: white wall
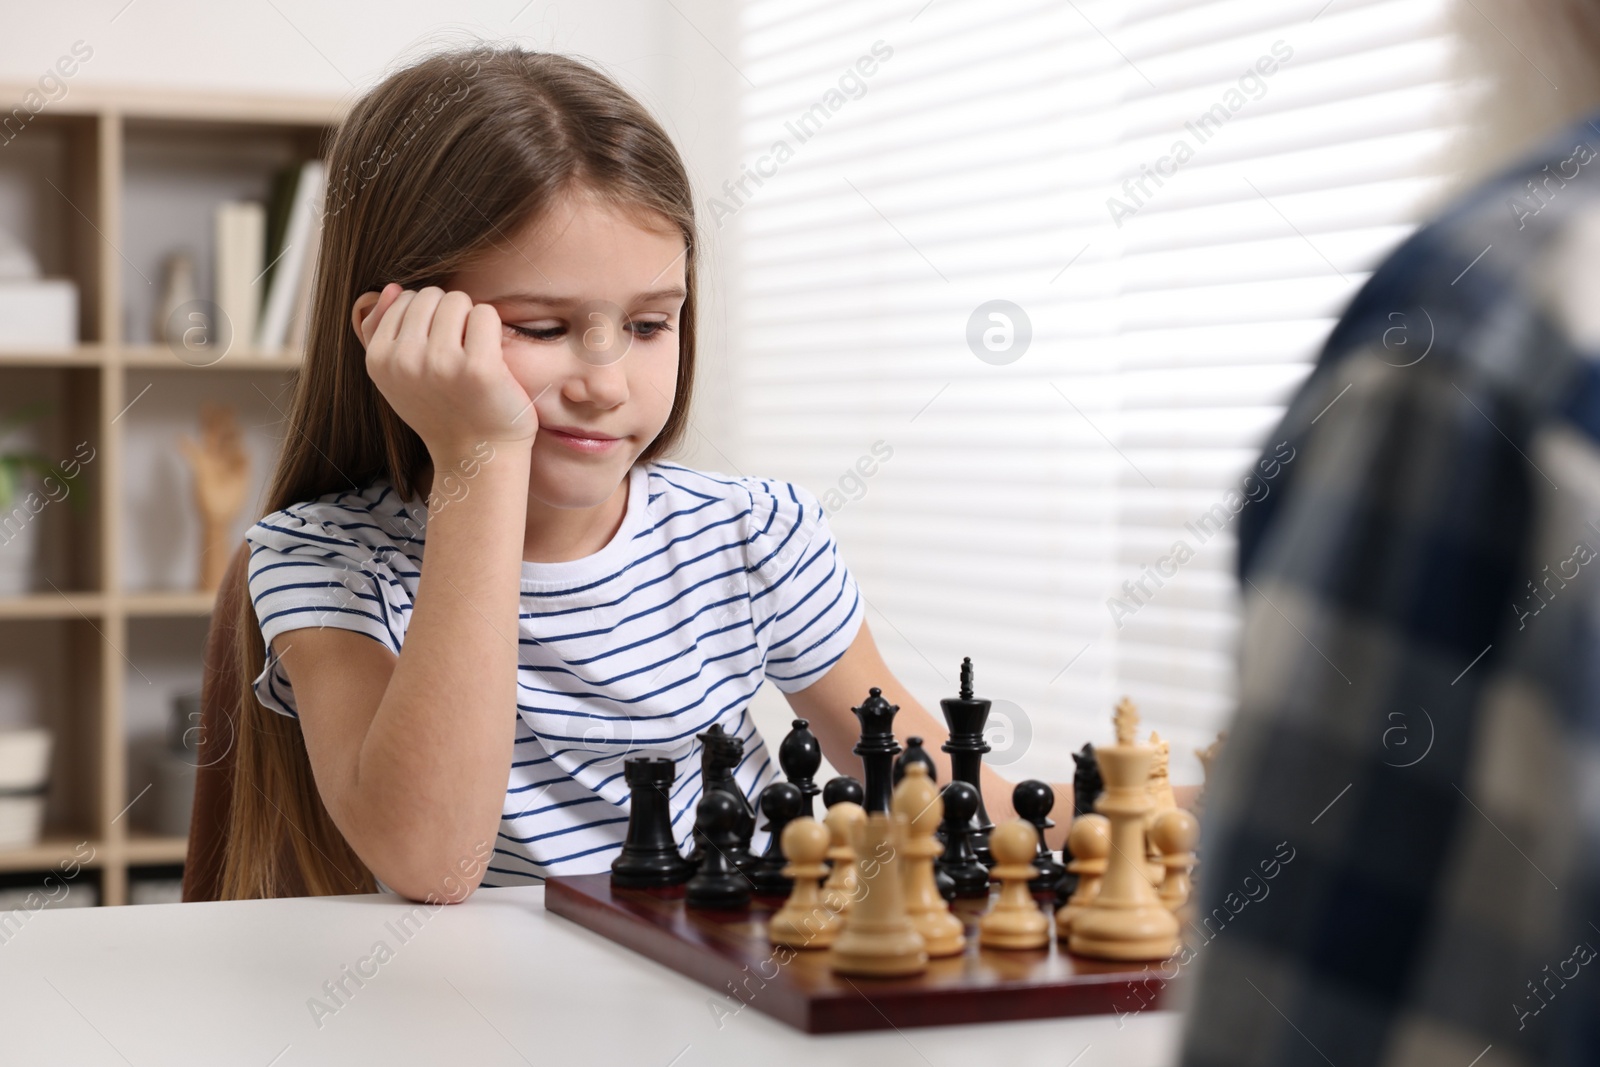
672, 56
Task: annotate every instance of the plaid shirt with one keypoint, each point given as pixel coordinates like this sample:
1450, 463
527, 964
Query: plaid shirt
1419, 713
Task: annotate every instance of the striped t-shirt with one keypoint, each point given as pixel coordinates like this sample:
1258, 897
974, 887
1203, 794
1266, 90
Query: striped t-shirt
711, 584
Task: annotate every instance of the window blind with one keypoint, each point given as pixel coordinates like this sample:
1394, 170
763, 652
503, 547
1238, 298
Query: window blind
1173, 199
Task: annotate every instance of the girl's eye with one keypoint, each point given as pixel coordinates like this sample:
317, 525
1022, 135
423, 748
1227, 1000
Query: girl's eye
545, 333
646, 330
641, 330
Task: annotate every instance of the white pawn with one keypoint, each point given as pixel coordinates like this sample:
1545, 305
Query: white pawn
803, 921
918, 800
840, 890
1175, 833
1089, 841
1016, 920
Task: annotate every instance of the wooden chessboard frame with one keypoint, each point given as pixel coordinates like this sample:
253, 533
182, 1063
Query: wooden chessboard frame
728, 951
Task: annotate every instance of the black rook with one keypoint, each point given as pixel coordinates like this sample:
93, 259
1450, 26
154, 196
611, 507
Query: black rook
650, 855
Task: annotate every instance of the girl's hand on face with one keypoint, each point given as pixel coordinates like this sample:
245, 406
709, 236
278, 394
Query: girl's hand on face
435, 356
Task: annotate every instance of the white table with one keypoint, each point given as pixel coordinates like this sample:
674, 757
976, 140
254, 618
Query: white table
494, 981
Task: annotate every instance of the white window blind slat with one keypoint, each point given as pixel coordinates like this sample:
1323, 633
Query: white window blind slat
980, 161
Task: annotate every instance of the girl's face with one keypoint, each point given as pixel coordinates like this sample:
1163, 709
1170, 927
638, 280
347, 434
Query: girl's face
588, 298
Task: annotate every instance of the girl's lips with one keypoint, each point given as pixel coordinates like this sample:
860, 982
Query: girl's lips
588, 445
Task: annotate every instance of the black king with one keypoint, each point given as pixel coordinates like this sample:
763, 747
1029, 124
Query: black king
966, 716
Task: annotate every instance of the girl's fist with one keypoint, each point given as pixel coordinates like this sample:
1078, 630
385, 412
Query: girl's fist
435, 356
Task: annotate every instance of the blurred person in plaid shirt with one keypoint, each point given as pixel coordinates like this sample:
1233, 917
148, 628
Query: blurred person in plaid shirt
1418, 729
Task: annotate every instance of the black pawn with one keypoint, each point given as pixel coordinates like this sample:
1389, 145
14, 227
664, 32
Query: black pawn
650, 854
966, 716
781, 803
717, 883
800, 755
1086, 781
1033, 800
969, 876
914, 753
877, 748
842, 787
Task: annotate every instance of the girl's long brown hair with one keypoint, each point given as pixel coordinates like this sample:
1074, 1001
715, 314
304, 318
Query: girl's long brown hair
441, 161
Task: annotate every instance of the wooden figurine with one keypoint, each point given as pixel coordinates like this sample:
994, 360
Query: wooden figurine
221, 477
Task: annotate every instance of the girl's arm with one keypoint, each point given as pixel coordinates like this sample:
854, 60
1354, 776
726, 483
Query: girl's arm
410, 753
826, 704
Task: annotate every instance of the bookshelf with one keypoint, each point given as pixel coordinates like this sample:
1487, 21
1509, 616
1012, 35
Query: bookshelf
108, 179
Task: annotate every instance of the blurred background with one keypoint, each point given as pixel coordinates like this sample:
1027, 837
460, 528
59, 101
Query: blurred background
1018, 288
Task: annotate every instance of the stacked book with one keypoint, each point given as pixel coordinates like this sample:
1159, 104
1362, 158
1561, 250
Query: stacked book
264, 260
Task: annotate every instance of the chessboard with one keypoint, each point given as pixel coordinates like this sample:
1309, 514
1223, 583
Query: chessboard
728, 951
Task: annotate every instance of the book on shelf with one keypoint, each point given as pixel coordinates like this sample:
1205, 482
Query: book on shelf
241, 236
292, 230
298, 320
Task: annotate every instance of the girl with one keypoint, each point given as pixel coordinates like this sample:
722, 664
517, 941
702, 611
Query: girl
479, 586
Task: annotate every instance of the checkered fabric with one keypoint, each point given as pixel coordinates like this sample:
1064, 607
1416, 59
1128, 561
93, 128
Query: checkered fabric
1419, 707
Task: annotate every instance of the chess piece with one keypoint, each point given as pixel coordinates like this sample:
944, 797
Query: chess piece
966, 716
968, 876
1032, 800
1207, 756
720, 753
879, 938
1086, 784
803, 921
650, 856
1160, 781
917, 801
839, 892
221, 469
843, 787
1126, 919
1089, 842
1015, 920
942, 881
1175, 833
800, 754
717, 883
1159, 786
781, 803
914, 753
877, 748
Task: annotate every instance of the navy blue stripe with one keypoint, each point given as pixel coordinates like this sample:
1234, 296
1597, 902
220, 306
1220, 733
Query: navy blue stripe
566, 776
320, 607
562, 831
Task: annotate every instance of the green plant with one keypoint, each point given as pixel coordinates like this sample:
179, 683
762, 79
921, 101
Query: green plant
14, 466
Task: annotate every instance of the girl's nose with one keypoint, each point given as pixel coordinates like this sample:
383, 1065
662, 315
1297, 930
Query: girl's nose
599, 341
601, 385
